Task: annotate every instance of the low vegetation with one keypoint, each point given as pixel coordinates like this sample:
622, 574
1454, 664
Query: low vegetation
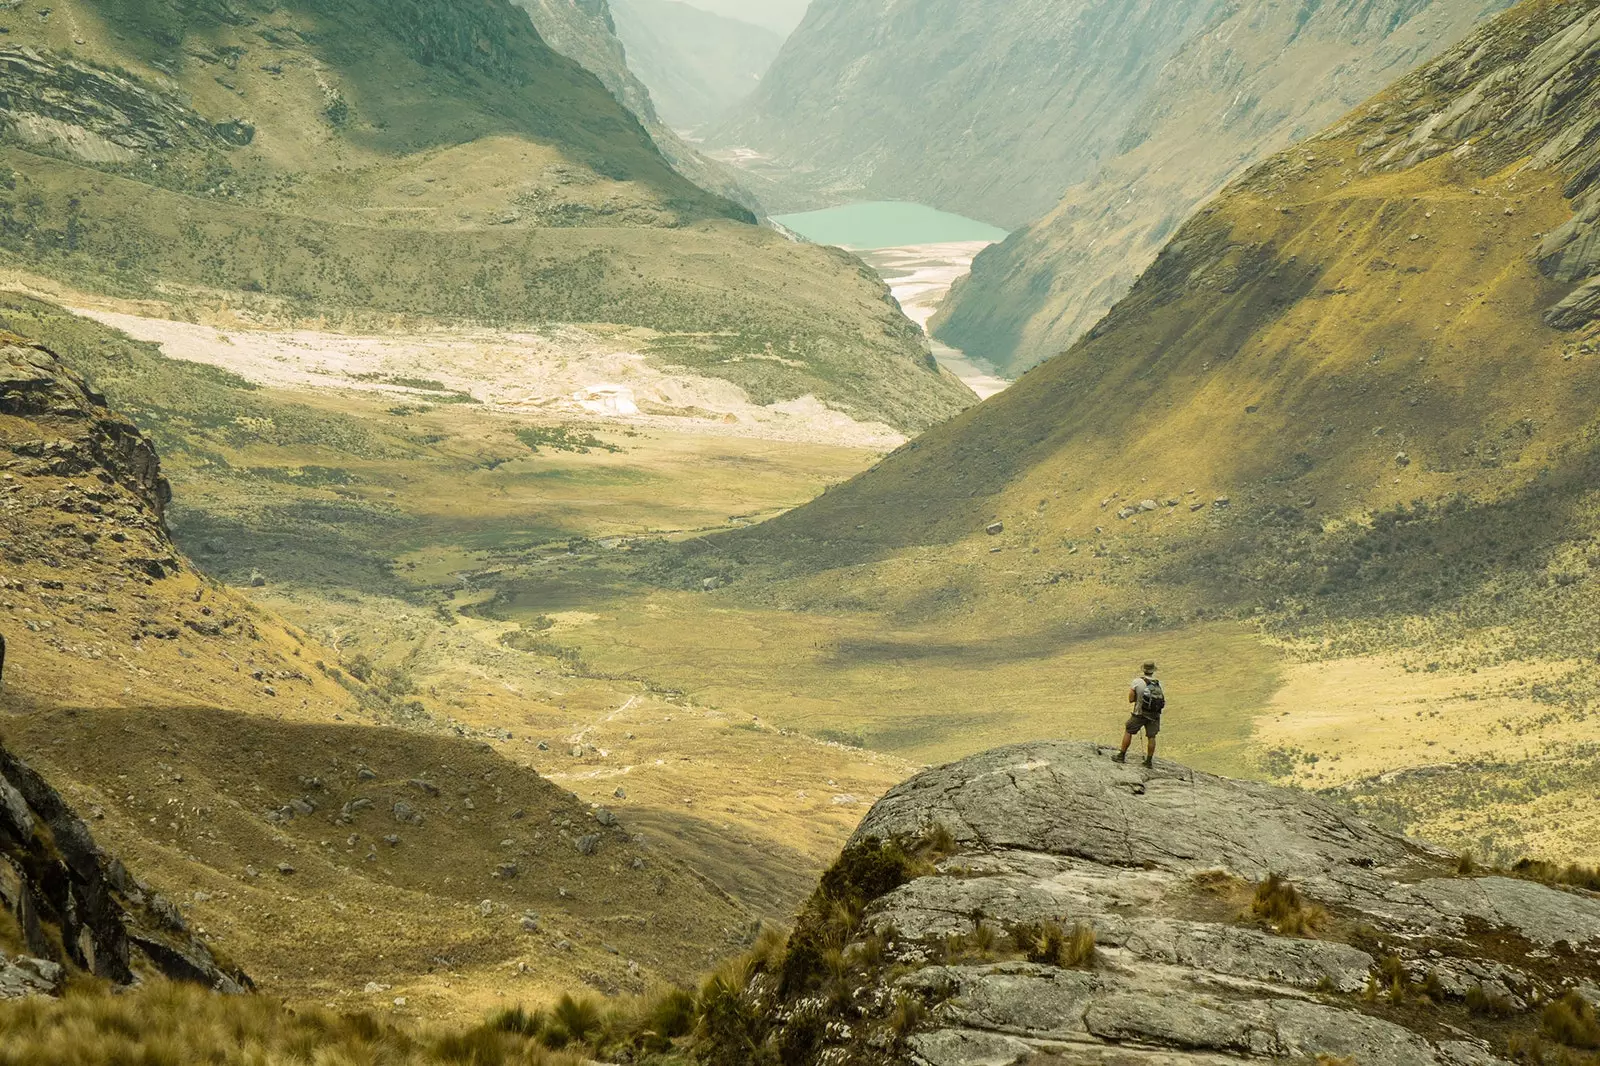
1555, 874
1054, 944
563, 439
176, 1025
1279, 905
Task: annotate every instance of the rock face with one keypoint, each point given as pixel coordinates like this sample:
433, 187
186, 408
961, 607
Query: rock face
97, 115
87, 437
1162, 865
76, 909
1253, 80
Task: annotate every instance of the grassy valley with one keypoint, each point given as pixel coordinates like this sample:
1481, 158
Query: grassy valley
328, 164
1315, 416
484, 581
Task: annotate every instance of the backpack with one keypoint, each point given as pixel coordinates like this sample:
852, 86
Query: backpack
1152, 701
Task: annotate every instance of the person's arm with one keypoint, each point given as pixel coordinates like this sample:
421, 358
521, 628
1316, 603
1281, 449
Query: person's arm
1133, 694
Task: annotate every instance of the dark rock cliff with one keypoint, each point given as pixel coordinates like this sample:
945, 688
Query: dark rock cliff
78, 910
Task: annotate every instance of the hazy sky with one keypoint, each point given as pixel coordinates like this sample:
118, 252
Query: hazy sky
780, 15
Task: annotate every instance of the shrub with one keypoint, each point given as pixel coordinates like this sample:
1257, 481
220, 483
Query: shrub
1280, 905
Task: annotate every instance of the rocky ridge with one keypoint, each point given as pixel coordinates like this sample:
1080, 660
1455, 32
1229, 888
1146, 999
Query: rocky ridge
1375, 959
75, 909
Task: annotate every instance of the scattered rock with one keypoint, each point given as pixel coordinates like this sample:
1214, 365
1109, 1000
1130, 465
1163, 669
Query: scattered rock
994, 529
588, 844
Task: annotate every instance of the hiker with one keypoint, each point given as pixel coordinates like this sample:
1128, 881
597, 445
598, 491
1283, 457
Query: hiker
1148, 702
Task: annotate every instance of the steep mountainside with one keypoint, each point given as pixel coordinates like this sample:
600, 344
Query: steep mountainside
779, 16
586, 31
1038, 904
425, 158
987, 109
697, 64
1256, 78
1353, 400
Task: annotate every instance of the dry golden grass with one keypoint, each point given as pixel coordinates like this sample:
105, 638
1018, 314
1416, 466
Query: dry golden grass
1281, 907
175, 1025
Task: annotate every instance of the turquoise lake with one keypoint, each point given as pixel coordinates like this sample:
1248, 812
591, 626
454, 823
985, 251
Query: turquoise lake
887, 224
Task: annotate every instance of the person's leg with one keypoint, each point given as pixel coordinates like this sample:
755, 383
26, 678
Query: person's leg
1127, 741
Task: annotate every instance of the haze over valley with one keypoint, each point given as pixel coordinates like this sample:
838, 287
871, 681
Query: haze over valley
621, 531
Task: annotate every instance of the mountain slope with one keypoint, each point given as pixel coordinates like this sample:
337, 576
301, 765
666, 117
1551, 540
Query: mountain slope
989, 110
697, 64
231, 759
1258, 77
1352, 401
587, 32
779, 16
426, 159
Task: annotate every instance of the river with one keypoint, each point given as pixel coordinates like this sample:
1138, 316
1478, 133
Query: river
919, 252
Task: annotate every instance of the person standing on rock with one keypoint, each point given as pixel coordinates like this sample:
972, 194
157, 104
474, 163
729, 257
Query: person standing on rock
1148, 702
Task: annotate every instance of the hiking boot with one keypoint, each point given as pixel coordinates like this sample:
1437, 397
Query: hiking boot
1120, 756
1149, 762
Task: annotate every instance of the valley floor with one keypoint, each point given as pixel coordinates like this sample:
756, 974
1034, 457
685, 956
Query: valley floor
473, 523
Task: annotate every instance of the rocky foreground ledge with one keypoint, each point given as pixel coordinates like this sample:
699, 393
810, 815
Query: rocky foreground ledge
1230, 921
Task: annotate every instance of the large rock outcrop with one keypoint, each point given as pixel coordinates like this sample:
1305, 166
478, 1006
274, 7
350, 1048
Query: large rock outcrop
75, 909
1380, 950
82, 436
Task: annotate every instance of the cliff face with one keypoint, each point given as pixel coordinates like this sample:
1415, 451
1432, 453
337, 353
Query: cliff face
74, 909
1040, 904
1258, 77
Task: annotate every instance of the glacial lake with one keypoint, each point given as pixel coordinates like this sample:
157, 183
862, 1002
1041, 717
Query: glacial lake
888, 224
920, 252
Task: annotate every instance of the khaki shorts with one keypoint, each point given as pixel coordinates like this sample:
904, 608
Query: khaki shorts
1150, 725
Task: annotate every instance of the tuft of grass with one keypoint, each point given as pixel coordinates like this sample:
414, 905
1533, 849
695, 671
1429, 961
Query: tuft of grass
1281, 906
572, 1021
907, 1015
1571, 1021
1053, 944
